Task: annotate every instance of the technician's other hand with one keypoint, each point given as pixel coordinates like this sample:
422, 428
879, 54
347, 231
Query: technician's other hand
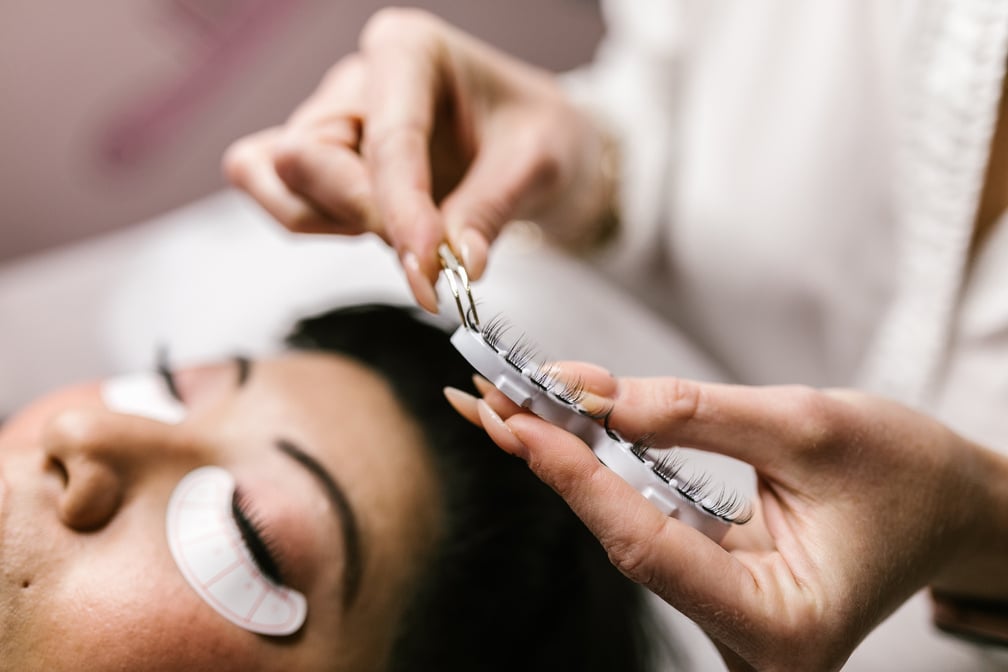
422, 135
861, 502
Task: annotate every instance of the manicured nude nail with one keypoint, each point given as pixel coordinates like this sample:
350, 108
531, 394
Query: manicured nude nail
473, 249
584, 370
422, 289
454, 394
464, 403
595, 405
592, 386
500, 432
482, 384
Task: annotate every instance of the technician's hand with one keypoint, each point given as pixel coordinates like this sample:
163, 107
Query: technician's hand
426, 134
861, 503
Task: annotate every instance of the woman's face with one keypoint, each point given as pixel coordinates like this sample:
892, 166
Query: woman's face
87, 579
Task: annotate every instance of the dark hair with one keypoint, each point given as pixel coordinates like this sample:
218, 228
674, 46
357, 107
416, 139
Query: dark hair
517, 582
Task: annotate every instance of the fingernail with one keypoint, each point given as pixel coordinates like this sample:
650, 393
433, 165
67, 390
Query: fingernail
464, 403
590, 386
421, 287
500, 432
482, 384
473, 248
584, 370
595, 405
454, 394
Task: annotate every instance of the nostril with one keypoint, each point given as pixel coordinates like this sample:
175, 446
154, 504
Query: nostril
92, 494
56, 466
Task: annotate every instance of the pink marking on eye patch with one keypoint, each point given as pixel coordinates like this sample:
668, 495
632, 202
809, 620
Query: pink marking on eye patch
208, 549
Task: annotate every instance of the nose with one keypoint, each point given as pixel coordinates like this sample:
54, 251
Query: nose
101, 455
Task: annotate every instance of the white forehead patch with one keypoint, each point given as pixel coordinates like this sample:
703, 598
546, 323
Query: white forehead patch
209, 551
144, 395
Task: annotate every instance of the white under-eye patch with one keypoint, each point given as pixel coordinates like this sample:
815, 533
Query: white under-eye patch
209, 551
144, 395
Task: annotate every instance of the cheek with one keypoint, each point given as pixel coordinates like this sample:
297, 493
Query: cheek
133, 616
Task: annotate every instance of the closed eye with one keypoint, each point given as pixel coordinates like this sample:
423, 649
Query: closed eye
255, 540
167, 374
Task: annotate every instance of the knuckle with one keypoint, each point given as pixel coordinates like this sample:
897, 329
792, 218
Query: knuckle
816, 419
338, 70
288, 160
410, 217
543, 167
389, 145
633, 557
678, 400
237, 160
390, 26
489, 215
566, 479
544, 172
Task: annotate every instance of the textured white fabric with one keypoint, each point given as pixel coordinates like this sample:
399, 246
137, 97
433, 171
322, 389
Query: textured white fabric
800, 178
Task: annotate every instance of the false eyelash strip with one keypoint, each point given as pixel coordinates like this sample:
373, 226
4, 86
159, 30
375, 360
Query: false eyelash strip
514, 366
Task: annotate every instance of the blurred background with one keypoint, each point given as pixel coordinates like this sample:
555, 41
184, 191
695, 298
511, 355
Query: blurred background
115, 112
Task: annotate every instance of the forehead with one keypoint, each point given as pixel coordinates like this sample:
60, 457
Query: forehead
349, 418
323, 387
344, 413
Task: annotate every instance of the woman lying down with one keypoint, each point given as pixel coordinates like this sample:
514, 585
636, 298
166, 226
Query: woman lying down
322, 509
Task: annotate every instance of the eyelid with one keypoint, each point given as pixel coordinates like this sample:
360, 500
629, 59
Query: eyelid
258, 542
204, 542
167, 373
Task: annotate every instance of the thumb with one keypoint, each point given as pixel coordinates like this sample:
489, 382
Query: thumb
756, 425
500, 184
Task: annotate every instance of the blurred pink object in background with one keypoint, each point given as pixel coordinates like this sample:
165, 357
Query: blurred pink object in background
114, 112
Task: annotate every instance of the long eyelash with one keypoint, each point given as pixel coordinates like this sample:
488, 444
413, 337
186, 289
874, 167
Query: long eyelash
521, 353
261, 547
699, 488
165, 370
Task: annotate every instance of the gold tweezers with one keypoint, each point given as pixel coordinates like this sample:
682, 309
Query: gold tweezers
458, 281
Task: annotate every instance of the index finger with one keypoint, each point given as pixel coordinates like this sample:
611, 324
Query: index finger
672, 559
404, 85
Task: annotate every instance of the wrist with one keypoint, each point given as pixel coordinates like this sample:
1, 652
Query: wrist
604, 218
977, 568
970, 595
588, 214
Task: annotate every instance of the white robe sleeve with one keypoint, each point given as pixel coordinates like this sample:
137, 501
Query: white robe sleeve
631, 88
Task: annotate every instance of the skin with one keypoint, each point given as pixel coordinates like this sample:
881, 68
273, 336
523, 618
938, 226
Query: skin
86, 577
504, 141
862, 501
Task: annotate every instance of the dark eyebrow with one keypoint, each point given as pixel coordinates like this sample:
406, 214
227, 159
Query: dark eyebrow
353, 567
348, 524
